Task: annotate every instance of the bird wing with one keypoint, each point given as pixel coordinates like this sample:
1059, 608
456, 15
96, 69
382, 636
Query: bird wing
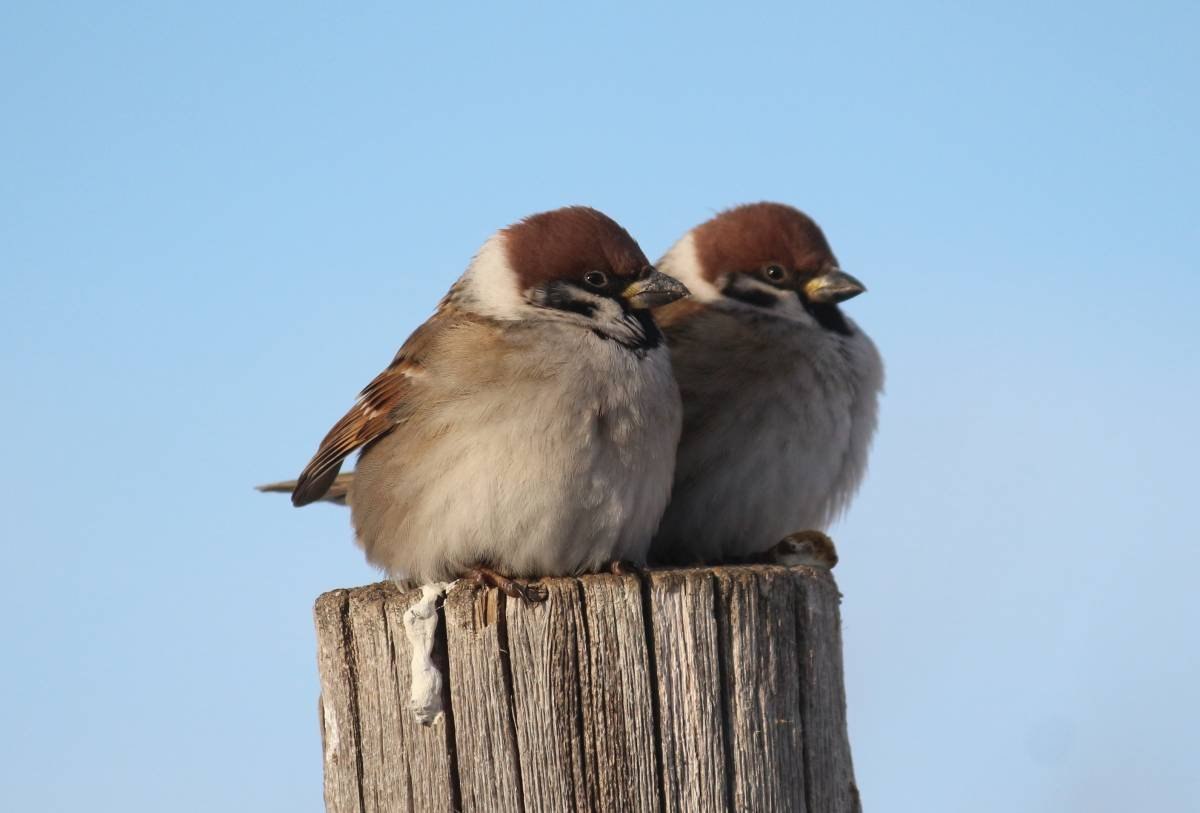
380, 408
677, 312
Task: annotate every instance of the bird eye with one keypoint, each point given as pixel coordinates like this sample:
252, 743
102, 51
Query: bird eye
596, 279
775, 273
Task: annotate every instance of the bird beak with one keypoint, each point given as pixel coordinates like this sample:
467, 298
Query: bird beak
833, 286
654, 290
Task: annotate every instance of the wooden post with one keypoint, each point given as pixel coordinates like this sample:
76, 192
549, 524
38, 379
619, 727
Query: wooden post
713, 689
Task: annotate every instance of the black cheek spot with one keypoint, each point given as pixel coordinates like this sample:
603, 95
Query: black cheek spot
560, 296
583, 308
751, 296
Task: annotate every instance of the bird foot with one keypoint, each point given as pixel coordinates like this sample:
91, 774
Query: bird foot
531, 593
624, 567
811, 548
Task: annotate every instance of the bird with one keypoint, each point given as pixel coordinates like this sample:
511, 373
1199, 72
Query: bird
528, 428
780, 390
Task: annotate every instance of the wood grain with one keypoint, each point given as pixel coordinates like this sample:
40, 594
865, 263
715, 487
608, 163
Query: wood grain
342, 743
689, 686
545, 647
481, 701
759, 646
708, 689
828, 769
620, 733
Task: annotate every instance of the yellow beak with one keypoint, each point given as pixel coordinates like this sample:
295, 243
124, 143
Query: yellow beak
654, 290
834, 286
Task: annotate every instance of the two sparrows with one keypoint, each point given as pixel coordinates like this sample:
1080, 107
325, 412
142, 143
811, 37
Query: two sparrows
532, 427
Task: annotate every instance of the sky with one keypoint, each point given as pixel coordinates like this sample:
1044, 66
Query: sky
219, 220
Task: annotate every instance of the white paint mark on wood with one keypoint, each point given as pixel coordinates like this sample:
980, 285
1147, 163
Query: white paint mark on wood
420, 627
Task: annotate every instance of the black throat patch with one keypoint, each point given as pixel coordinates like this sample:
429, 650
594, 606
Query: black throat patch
644, 334
828, 316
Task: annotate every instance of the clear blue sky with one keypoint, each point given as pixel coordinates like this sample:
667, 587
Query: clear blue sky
219, 220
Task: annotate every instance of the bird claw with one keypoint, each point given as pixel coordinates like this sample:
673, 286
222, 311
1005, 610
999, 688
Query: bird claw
811, 548
624, 567
530, 593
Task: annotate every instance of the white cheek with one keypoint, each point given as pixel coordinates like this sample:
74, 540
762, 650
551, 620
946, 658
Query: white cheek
491, 283
682, 263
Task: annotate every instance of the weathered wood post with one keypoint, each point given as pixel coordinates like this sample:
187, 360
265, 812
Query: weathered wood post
710, 689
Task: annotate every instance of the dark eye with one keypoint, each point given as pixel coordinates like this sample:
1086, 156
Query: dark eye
775, 273
596, 279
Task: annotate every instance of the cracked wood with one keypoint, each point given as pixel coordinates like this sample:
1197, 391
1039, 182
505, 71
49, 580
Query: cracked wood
706, 689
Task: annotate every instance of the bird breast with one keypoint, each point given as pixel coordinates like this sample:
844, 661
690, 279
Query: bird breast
553, 458
777, 423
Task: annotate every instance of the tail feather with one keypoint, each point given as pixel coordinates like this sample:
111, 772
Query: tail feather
336, 494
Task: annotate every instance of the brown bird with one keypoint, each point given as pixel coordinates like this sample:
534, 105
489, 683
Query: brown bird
780, 389
529, 427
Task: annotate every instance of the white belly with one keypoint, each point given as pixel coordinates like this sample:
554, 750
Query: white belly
545, 476
772, 444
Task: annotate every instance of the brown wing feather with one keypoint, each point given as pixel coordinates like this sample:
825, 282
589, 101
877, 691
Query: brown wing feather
378, 410
677, 312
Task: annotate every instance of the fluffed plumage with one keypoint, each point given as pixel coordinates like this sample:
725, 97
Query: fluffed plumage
780, 388
530, 425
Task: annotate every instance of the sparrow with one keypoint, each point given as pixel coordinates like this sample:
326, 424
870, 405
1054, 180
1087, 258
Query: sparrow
780, 390
529, 427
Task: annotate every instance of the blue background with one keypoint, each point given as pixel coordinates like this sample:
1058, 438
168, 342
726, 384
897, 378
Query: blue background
219, 220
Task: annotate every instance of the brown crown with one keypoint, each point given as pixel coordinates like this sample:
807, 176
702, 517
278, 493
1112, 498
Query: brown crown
749, 237
566, 243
